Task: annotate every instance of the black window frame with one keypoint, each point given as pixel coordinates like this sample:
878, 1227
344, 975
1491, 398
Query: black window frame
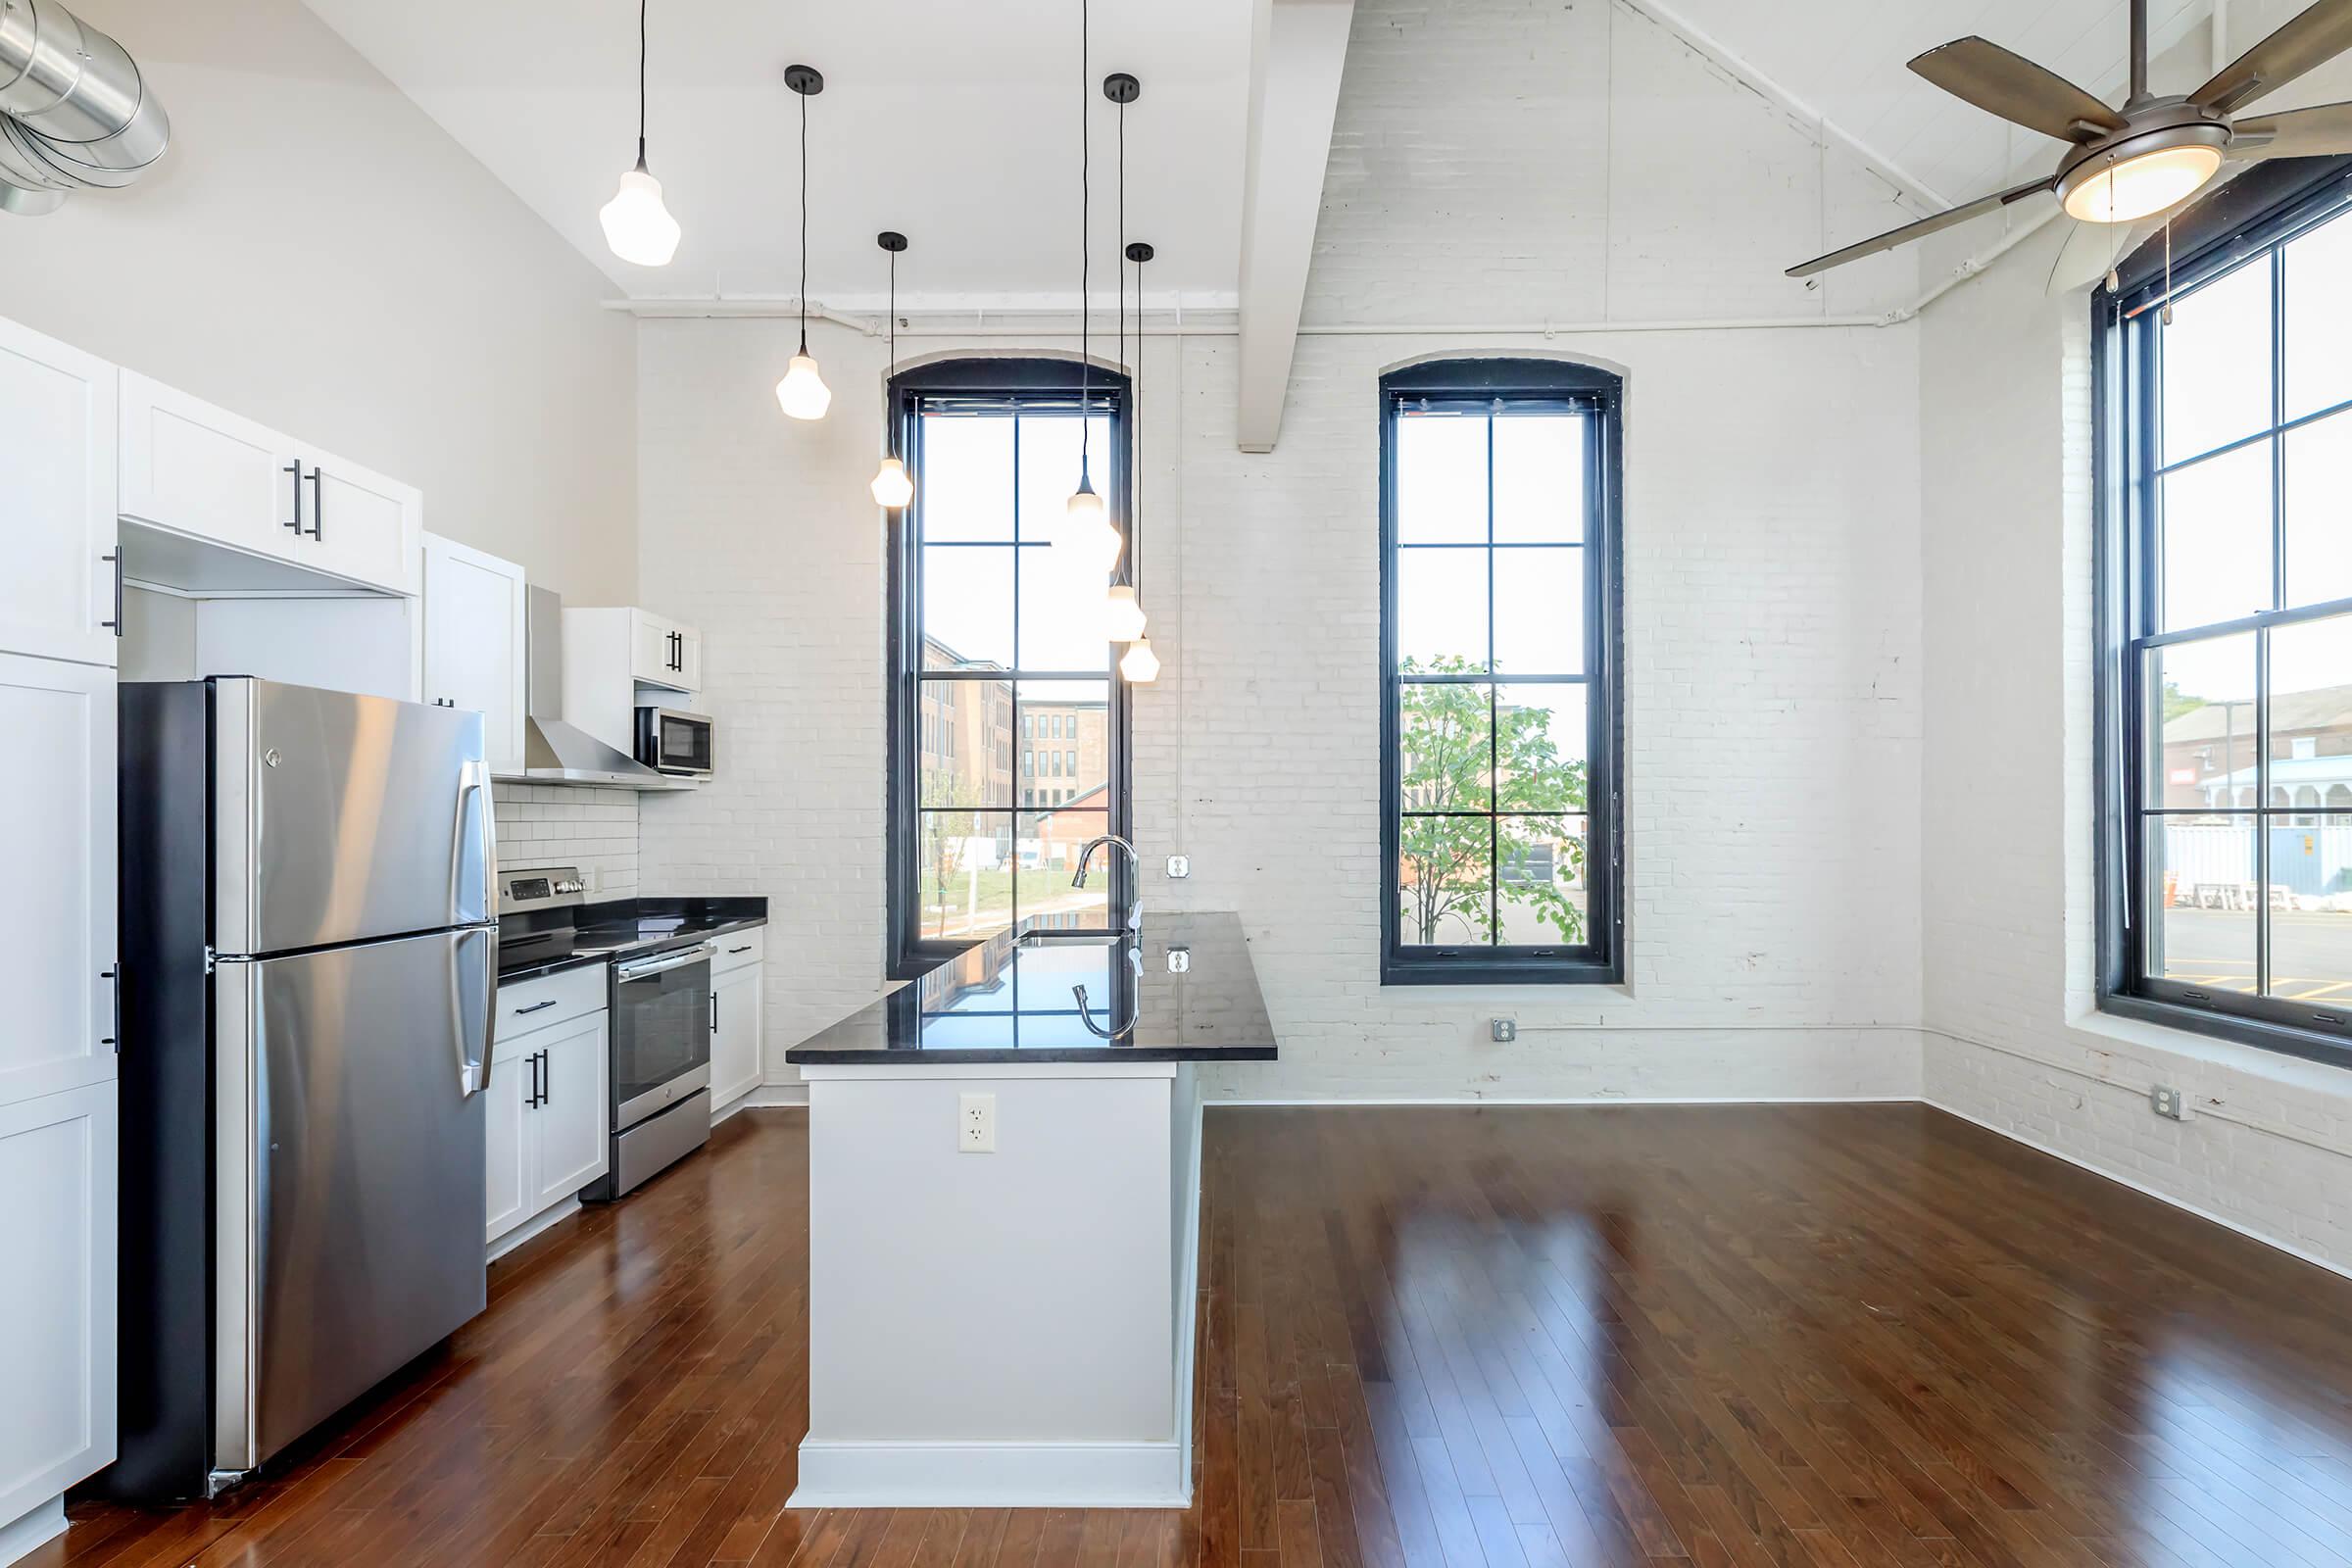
2248, 222
1601, 959
906, 952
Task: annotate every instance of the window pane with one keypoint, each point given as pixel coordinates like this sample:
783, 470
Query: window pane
1540, 478
2217, 363
1440, 479
966, 471
2319, 506
1048, 848
2311, 714
2201, 890
965, 743
1049, 468
2217, 539
1539, 881
1061, 615
2311, 909
1445, 757
1539, 612
1540, 741
1440, 611
2319, 329
967, 606
1444, 880
2202, 720
966, 874
1073, 761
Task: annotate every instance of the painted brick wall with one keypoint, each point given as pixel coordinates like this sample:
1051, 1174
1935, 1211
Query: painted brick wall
558, 824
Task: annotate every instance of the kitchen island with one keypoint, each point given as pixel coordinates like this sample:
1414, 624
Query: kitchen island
1004, 1220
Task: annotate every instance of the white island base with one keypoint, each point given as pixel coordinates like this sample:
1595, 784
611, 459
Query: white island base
1011, 1329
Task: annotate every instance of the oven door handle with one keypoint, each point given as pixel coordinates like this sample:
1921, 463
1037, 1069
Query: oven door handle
647, 969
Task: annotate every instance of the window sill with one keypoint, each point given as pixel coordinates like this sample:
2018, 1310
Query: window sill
1407, 971
2262, 1034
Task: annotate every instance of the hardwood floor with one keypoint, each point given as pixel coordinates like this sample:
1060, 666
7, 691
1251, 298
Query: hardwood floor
1432, 1339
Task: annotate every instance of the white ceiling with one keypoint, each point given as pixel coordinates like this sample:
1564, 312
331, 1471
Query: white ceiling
955, 123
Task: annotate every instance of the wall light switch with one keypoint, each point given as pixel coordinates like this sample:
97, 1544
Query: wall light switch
1180, 866
976, 1124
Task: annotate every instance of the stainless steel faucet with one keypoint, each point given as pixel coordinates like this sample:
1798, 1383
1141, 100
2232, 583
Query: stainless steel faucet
1135, 899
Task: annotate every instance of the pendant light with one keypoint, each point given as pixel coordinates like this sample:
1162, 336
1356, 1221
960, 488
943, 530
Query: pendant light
802, 392
1139, 666
891, 487
1123, 617
1087, 538
637, 227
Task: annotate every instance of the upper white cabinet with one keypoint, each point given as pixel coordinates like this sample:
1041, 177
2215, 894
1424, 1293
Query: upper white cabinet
211, 476
614, 658
473, 642
58, 595
663, 653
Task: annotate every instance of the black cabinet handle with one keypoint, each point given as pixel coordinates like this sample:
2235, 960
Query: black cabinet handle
116, 975
537, 1006
295, 469
318, 506
116, 558
538, 1078
746, 948
715, 1013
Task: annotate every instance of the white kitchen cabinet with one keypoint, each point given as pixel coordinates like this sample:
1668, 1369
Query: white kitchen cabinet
738, 990
206, 474
59, 594
548, 1117
614, 658
57, 924
58, 1157
474, 643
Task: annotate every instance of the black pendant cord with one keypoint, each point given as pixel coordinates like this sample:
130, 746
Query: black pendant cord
894, 341
1135, 415
1086, 386
641, 7
804, 222
1120, 230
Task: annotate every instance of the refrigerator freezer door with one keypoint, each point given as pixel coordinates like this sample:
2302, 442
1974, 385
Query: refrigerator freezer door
349, 1174
340, 817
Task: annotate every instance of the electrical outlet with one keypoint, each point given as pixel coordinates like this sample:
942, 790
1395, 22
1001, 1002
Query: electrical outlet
2166, 1101
976, 1124
1180, 960
1180, 866
1502, 1031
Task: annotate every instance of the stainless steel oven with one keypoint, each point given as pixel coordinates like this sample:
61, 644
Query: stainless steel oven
660, 1026
670, 741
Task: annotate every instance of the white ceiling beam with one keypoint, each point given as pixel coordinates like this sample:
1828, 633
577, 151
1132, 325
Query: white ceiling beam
1298, 52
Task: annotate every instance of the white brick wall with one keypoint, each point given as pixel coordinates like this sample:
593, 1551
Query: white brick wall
558, 824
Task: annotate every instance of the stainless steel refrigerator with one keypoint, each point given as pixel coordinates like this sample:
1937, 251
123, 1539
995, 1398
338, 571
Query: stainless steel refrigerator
309, 967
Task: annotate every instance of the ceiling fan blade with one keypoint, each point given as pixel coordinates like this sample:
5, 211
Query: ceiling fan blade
2092, 250
2016, 89
2317, 36
1920, 229
2320, 132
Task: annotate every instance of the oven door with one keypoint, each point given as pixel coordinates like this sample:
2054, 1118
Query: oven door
671, 742
660, 1027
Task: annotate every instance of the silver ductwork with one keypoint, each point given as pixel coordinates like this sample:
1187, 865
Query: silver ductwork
74, 112
552, 748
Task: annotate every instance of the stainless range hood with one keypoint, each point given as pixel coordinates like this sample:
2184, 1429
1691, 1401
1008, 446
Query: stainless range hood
555, 751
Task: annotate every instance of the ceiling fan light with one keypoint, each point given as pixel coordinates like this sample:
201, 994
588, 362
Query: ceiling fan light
891, 487
1122, 615
802, 392
637, 225
2137, 188
1141, 666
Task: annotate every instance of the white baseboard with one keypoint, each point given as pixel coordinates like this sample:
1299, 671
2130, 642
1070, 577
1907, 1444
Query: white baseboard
764, 1097
537, 1224
43, 1522
1458, 1101
991, 1475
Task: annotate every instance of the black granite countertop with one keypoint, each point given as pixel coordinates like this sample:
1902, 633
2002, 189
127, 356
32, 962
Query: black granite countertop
541, 942
1015, 998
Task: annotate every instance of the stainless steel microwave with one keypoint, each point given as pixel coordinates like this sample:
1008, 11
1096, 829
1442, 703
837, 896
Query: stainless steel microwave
671, 742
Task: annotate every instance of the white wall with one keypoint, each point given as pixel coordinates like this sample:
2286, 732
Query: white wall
1771, 582
316, 254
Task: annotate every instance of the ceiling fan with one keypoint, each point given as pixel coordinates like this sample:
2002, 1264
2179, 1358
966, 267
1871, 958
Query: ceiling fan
2124, 165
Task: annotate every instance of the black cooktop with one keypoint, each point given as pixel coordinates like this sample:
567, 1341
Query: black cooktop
539, 941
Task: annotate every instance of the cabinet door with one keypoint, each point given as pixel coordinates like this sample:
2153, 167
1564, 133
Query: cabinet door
689, 675
57, 450
361, 525
575, 1124
58, 1158
56, 923
735, 1066
202, 471
505, 1137
653, 649
473, 628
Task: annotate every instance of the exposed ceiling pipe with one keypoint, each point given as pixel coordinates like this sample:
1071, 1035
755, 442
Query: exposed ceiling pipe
74, 112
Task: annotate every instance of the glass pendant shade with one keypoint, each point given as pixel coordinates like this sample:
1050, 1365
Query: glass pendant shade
802, 392
1091, 544
1140, 665
892, 488
2140, 187
637, 227
1122, 615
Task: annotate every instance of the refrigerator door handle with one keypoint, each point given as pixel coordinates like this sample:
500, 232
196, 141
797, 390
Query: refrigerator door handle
473, 784
474, 1070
